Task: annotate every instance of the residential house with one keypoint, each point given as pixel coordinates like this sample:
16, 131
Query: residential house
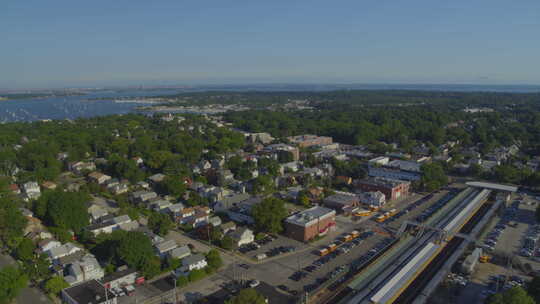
163, 248
96, 212
224, 177
26, 213
215, 221
122, 222
174, 210
62, 251
118, 188
242, 212
242, 236
227, 227
138, 160
200, 217
262, 137
87, 268
47, 244
31, 191
218, 163
48, 185
157, 178
292, 166
142, 196
14, 188
143, 185
190, 263
229, 201
98, 177
180, 252
79, 166
160, 205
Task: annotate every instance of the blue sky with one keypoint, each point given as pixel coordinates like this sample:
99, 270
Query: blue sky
77, 43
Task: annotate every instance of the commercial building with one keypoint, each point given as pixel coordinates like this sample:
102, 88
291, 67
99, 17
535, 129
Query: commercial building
341, 201
391, 188
91, 292
280, 148
396, 169
310, 223
304, 141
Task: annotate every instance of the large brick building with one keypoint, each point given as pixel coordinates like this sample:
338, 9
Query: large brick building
341, 201
391, 188
310, 223
304, 141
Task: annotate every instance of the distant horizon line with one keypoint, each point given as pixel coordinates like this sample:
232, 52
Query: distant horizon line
337, 85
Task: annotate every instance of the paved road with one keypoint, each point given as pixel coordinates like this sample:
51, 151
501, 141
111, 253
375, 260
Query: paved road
28, 295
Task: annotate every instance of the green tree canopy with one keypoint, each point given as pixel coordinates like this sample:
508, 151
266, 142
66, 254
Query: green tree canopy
214, 259
55, 284
433, 176
269, 215
135, 248
515, 295
160, 223
533, 289
25, 250
247, 296
66, 210
12, 280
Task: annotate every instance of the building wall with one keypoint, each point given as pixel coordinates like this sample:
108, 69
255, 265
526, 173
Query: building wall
393, 174
390, 193
307, 233
125, 280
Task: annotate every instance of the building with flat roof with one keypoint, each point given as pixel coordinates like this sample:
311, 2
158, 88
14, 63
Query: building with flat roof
341, 200
310, 223
90, 292
391, 188
307, 140
492, 186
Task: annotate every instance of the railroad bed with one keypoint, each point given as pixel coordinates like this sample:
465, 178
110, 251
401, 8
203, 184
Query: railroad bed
386, 279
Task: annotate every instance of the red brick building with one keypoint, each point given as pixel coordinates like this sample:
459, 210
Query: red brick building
310, 223
391, 188
304, 141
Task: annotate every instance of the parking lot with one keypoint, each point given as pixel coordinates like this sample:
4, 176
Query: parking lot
279, 271
294, 267
506, 234
412, 208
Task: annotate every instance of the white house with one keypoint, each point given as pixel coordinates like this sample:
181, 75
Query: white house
48, 244
87, 268
31, 190
190, 263
62, 251
242, 236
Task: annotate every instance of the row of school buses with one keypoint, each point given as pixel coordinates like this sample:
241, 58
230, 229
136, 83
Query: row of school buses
379, 219
344, 239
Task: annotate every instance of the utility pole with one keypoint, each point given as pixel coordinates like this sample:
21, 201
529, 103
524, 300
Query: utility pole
175, 298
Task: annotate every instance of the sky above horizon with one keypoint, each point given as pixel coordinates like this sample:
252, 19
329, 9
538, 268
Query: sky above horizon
95, 43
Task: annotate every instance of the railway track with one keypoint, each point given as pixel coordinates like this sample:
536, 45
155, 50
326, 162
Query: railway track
362, 294
418, 285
